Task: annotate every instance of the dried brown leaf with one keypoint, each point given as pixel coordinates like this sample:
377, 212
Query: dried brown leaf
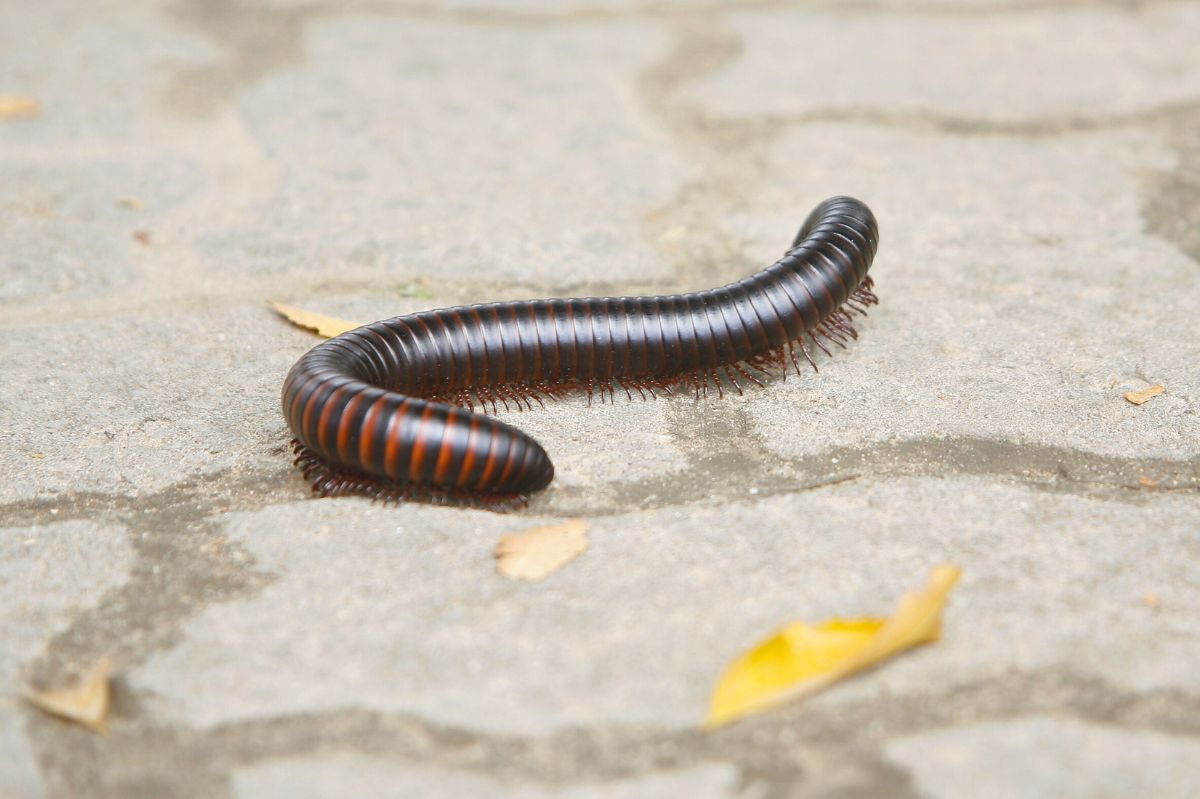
13, 107
1138, 397
85, 703
326, 326
541, 551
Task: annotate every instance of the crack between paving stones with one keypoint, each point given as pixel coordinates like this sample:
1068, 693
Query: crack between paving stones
170, 528
651, 11
737, 468
773, 751
732, 449
1036, 466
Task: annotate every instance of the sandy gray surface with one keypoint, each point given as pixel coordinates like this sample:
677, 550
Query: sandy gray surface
1033, 167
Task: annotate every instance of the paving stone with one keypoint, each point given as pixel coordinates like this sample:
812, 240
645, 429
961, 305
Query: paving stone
1047, 756
502, 147
48, 574
407, 613
586, 10
1114, 62
1033, 336
366, 778
123, 62
107, 188
211, 403
243, 197
18, 770
581, 10
69, 231
575, 433
134, 404
367, 160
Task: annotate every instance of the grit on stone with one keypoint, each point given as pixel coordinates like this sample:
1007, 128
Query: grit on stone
361, 180
301, 779
1032, 164
1044, 756
49, 574
959, 66
998, 307
416, 599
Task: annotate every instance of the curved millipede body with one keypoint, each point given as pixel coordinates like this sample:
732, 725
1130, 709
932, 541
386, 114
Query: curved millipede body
387, 409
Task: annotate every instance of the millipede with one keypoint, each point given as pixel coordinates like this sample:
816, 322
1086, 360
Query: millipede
388, 409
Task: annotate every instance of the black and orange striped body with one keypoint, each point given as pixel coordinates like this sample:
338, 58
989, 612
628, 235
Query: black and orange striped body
386, 409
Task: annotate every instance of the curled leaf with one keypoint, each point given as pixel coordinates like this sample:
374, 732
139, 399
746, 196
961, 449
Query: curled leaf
802, 659
1138, 397
85, 703
13, 107
326, 326
541, 551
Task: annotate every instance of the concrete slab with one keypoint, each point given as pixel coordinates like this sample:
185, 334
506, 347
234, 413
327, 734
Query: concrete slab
408, 614
915, 65
1046, 756
194, 159
49, 574
367, 778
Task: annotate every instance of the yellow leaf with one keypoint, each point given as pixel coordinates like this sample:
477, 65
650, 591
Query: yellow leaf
541, 551
11, 107
1138, 397
326, 326
86, 702
801, 659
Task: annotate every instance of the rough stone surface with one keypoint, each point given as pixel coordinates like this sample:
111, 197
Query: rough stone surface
121, 408
989, 285
49, 575
361, 180
364, 778
955, 67
417, 598
1040, 257
1045, 756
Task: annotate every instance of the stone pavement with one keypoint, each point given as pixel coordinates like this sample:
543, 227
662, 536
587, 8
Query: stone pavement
1033, 164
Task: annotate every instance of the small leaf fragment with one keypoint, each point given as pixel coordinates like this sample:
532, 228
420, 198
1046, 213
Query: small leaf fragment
13, 107
1138, 397
541, 551
85, 703
802, 659
326, 326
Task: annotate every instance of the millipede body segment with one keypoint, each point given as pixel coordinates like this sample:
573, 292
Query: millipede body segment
387, 410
